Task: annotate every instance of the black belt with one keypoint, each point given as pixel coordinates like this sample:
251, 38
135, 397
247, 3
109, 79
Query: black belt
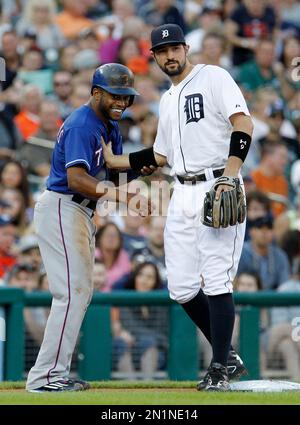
199, 177
79, 199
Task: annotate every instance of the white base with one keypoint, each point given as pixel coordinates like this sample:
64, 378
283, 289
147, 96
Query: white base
265, 386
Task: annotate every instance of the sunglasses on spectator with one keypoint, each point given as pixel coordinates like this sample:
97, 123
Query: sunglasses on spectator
260, 222
24, 267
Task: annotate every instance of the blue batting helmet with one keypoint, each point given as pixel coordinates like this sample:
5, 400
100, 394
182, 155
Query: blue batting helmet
115, 79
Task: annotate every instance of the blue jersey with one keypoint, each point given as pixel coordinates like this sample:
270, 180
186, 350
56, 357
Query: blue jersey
79, 143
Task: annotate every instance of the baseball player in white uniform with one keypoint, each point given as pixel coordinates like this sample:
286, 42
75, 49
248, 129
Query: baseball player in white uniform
204, 132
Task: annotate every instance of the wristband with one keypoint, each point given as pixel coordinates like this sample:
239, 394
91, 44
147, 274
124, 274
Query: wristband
143, 158
239, 144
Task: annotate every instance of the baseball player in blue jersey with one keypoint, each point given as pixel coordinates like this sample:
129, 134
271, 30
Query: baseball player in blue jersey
63, 220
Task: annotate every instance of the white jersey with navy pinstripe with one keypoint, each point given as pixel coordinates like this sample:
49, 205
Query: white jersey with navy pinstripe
194, 135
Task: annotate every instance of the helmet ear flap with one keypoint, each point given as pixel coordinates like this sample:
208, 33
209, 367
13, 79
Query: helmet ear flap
131, 100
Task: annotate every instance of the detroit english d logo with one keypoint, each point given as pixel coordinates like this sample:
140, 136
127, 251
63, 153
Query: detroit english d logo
193, 107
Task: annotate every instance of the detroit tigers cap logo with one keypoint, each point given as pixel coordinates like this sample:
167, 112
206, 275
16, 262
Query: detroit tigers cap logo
164, 34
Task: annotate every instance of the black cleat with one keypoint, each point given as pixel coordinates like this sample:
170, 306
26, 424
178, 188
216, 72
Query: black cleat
235, 368
217, 378
86, 385
59, 386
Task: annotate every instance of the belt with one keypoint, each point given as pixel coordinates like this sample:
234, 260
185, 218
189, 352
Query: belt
199, 177
81, 200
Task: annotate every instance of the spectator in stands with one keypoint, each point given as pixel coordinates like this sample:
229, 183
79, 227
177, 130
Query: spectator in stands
43, 284
7, 239
33, 71
260, 72
209, 21
250, 282
149, 95
133, 233
148, 127
80, 95
128, 48
260, 106
262, 256
25, 276
290, 243
291, 51
159, 12
71, 20
154, 251
8, 94
16, 209
112, 25
288, 221
62, 84
39, 16
14, 176
290, 14
109, 249
251, 21
11, 10
29, 252
99, 276
140, 339
269, 176
213, 50
88, 40
10, 138
258, 205
67, 54
36, 154
28, 120
245, 282
281, 130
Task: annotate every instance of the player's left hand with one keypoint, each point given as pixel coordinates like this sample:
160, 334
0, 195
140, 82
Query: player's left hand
222, 188
224, 205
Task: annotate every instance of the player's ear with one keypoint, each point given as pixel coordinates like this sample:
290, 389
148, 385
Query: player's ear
97, 93
186, 48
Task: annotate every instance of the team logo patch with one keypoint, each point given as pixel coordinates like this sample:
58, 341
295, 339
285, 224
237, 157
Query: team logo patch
164, 33
194, 107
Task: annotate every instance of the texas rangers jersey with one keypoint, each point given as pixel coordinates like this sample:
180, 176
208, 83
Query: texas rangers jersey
79, 143
194, 127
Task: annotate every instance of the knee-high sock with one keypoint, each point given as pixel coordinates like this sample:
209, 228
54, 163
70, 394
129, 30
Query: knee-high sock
221, 308
198, 311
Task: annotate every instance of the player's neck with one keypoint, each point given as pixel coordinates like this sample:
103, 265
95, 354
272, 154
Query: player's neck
176, 79
101, 117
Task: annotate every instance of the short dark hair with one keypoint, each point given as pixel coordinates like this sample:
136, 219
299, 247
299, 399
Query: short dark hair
259, 197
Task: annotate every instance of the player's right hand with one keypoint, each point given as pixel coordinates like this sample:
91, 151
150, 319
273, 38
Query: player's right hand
147, 171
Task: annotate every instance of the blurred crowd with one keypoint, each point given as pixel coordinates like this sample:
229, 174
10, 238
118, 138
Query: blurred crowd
51, 49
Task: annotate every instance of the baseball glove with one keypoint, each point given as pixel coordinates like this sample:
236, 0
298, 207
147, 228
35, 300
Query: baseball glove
229, 209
